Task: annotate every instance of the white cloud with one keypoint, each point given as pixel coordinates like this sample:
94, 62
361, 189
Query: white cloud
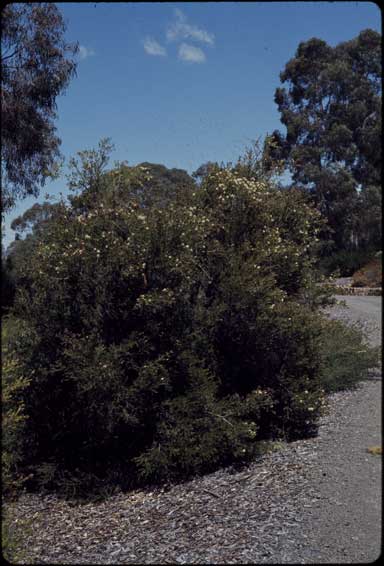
181, 30
191, 54
179, 15
152, 47
85, 52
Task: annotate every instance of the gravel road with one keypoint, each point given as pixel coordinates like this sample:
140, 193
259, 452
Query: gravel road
367, 311
360, 307
313, 501
345, 524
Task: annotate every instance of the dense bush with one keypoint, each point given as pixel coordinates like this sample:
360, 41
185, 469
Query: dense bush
14, 383
7, 286
345, 262
346, 358
168, 338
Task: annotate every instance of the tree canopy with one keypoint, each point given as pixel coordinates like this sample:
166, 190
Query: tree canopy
331, 108
144, 184
36, 67
92, 182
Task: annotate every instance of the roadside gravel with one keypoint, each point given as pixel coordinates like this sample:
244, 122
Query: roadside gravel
312, 501
366, 312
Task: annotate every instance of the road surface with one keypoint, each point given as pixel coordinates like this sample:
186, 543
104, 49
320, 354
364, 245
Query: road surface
365, 310
361, 306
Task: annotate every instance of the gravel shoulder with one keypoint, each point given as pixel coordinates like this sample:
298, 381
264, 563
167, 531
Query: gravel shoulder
312, 501
366, 311
343, 523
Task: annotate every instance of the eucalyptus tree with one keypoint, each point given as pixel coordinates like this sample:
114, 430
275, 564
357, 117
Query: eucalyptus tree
37, 65
331, 108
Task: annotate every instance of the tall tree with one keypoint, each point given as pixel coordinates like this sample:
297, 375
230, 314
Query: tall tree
204, 170
144, 184
332, 111
30, 224
164, 185
36, 66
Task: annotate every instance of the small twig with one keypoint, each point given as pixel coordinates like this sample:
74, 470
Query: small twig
212, 493
242, 479
221, 417
174, 510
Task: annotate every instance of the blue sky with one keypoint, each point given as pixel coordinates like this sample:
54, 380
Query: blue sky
182, 83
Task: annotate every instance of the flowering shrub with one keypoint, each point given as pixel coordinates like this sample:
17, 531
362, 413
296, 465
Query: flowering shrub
347, 359
14, 383
170, 337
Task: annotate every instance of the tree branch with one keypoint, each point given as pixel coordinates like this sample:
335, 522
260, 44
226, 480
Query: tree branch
9, 56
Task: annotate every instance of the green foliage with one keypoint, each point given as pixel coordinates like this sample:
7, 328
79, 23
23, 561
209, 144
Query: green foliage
346, 357
36, 66
34, 218
331, 110
165, 336
14, 385
162, 186
200, 430
262, 160
87, 170
204, 170
8, 541
30, 223
346, 262
144, 185
13, 536
7, 284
